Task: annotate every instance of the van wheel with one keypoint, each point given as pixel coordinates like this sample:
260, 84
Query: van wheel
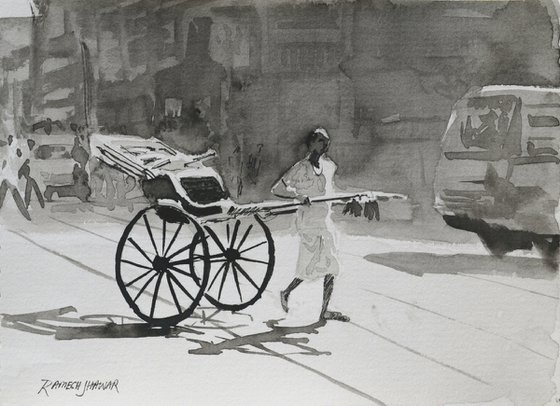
500, 241
497, 239
493, 245
549, 248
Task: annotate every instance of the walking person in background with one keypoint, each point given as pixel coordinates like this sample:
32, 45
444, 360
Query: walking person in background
30, 183
311, 177
9, 177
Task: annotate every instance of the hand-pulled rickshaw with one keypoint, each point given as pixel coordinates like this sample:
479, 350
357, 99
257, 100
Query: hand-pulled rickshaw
193, 241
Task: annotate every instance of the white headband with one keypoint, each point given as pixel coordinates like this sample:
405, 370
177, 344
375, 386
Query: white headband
323, 132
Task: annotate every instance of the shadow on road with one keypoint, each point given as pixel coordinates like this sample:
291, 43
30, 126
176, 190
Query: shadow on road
55, 323
420, 263
276, 334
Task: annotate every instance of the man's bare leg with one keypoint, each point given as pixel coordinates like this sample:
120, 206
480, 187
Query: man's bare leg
326, 314
286, 293
20, 203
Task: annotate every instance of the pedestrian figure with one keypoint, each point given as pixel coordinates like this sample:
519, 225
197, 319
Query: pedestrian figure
30, 185
117, 184
311, 177
78, 152
9, 179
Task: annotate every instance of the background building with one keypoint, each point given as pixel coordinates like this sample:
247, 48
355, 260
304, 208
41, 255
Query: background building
253, 79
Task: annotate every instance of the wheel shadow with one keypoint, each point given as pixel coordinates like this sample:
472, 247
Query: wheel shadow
58, 323
254, 343
420, 263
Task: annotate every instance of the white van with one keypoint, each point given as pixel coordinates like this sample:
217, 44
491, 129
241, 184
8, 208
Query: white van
51, 160
499, 172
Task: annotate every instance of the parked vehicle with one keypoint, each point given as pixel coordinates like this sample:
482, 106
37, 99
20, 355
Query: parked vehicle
499, 172
51, 160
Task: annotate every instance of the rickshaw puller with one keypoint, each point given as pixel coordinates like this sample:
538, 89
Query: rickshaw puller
312, 177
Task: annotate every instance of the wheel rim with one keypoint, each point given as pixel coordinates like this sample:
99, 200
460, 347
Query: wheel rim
155, 271
241, 253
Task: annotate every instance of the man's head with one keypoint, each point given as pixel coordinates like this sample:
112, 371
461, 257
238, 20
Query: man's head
318, 144
318, 141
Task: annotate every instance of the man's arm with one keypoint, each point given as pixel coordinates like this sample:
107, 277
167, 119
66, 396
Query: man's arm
281, 189
286, 187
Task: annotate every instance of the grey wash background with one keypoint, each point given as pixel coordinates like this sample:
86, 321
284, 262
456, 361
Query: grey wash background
253, 78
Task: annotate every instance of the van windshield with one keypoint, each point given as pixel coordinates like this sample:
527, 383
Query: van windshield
490, 128
492, 123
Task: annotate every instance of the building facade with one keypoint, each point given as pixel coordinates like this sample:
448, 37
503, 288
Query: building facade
251, 80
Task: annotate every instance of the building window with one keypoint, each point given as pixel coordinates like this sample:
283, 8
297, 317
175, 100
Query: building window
173, 107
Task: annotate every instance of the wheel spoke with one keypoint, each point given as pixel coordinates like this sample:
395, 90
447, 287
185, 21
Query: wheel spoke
173, 293
216, 276
195, 241
235, 230
254, 246
196, 258
138, 278
245, 236
215, 238
155, 296
173, 239
180, 286
236, 278
223, 280
190, 275
187, 261
258, 261
227, 232
143, 288
246, 275
139, 249
126, 261
150, 233
163, 240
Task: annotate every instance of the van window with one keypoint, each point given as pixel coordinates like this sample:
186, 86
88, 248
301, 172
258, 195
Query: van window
543, 121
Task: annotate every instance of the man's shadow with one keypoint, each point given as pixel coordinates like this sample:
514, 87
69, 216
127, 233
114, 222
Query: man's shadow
254, 343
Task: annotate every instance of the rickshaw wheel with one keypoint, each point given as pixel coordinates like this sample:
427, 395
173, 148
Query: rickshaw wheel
150, 255
246, 255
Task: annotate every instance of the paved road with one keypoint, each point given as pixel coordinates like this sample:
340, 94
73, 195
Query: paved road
432, 323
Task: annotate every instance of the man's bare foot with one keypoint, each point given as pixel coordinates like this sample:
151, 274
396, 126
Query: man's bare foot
328, 315
284, 300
